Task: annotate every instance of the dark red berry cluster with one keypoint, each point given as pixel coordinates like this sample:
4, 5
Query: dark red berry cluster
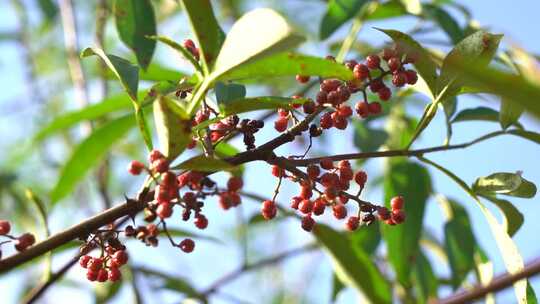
336, 181
20, 243
230, 197
285, 116
106, 267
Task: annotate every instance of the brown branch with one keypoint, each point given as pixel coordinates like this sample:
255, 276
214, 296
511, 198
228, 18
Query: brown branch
392, 153
499, 283
262, 263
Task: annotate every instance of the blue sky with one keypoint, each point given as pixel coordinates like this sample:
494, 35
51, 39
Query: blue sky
517, 20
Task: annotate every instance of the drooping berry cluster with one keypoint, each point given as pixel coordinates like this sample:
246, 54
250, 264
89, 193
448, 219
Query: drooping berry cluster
21, 243
335, 181
230, 197
106, 267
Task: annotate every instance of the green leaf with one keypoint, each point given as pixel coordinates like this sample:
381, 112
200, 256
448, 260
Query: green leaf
337, 13
476, 49
531, 295
425, 66
259, 103
367, 139
366, 239
532, 136
173, 130
88, 154
426, 281
205, 164
157, 72
208, 34
104, 292
448, 24
289, 64
172, 282
509, 251
185, 53
229, 92
509, 113
337, 287
49, 9
89, 113
459, 242
387, 10
125, 71
353, 268
478, 113
413, 182
135, 20
512, 184
267, 32
512, 218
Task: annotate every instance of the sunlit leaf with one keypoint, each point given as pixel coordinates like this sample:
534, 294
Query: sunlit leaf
259, 103
509, 113
173, 130
88, 154
531, 295
135, 20
512, 184
512, 218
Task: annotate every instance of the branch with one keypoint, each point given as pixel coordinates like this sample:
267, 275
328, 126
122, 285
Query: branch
262, 263
500, 282
393, 153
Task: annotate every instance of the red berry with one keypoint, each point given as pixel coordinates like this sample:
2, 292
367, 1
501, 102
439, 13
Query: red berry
155, 155
383, 213
360, 178
362, 109
411, 76
225, 201
295, 202
83, 261
344, 164
94, 264
346, 173
164, 210
309, 107
306, 206
277, 171
394, 64
376, 85
120, 257
344, 93
399, 79
397, 203
190, 198
352, 223
188, 44
398, 216
235, 199
330, 193
334, 98
350, 64
374, 108
307, 223
302, 78
201, 221
343, 199
339, 122
388, 53
318, 207
283, 112
344, 111
321, 97
340, 212
306, 192
313, 171
187, 245
327, 164
161, 165
114, 274
268, 205
91, 275
329, 85
135, 167
360, 72
384, 93
373, 62
329, 179
235, 183
5, 227
102, 275
24, 241
326, 121
281, 124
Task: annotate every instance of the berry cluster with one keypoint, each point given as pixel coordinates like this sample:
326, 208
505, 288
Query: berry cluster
228, 126
335, 181
230, 197
20, 243
106, 267
284, 115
